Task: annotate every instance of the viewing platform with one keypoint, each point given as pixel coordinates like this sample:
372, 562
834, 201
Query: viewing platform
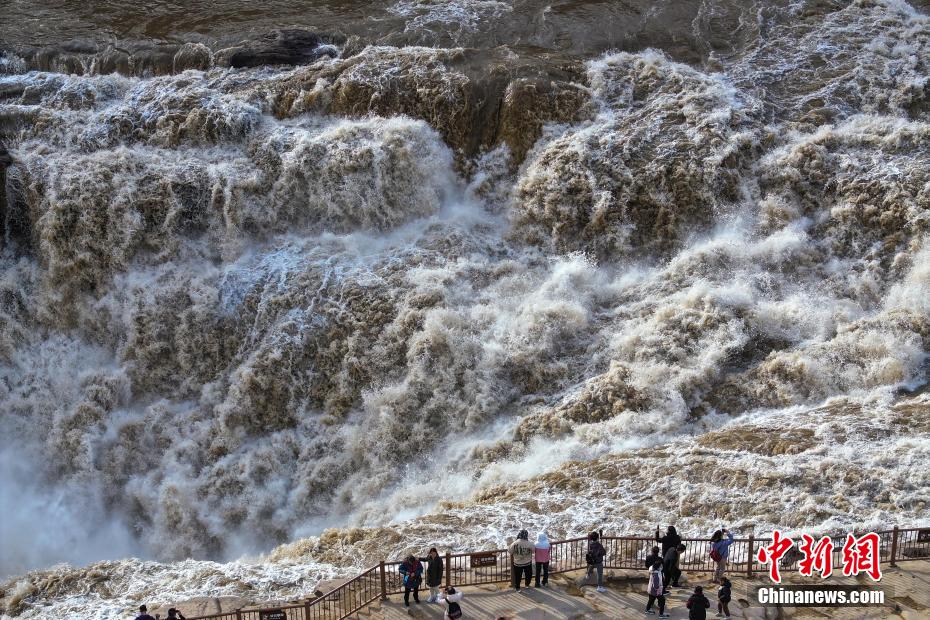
484, 578
626, 598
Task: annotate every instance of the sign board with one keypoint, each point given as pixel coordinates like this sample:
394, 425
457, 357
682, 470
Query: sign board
272, 614
483, 559
923, 535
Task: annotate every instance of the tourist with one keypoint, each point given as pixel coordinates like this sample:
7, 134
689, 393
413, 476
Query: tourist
521, 556
434, 567
671, 566
144, 613
412, 570
174, 614
595, 559
653, 557
656, 589
542, 550
719, 550
697, 605
723, 599
452, 599
670, 540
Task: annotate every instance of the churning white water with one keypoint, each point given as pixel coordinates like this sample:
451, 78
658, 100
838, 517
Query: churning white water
241, 306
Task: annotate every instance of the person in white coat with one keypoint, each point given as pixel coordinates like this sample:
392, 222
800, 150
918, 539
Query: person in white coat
451, 599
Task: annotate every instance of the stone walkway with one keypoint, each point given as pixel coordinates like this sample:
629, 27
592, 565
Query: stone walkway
625, 599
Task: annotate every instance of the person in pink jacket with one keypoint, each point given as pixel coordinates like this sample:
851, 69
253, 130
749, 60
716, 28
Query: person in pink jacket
541, 555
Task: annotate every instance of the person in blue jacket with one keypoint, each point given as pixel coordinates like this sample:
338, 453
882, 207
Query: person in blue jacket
412, 570
720, 550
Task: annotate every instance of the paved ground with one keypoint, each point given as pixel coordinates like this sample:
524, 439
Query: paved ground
909, 586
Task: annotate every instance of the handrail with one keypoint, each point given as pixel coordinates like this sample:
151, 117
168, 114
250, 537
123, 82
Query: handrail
623, 552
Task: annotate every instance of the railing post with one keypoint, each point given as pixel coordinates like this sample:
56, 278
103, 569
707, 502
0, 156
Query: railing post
238, 614
307, 611
894, 545
448, 568
750, 558
383, 581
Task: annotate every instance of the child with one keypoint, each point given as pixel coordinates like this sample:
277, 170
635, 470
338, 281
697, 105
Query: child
697, 605
656, 589
723, 600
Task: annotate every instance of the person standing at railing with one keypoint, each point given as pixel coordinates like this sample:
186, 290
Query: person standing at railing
720, 550
412, 570
670, 540
595, 560
521, 556
434, 568
542, 550
656, 589
671, 565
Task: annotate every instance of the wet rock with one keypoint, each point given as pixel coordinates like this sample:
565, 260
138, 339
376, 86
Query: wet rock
290, 46
153, 61
192, 56
529, 103
113, 60
69, 57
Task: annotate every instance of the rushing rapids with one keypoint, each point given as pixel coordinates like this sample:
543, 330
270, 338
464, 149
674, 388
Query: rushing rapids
462, 268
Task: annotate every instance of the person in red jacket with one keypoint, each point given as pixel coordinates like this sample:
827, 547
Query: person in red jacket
541, 556
412, 570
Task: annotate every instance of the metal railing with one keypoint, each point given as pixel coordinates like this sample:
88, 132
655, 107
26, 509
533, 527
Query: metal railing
623, 552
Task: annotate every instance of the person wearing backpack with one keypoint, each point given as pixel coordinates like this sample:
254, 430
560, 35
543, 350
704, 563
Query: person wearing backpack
542, 550
452, 599
521, 557
723, 599
412, 570
434, 568
656, 590
719, 550
670, 540
671, 566
595, 560
697, 605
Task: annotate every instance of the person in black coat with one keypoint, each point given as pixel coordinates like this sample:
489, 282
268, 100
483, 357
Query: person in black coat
672, 566
698, 605
724, 595
653, 557
434, 568
670, 540
144, 613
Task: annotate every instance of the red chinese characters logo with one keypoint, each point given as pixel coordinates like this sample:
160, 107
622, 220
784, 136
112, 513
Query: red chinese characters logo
861, 555
817, 557
771, 554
